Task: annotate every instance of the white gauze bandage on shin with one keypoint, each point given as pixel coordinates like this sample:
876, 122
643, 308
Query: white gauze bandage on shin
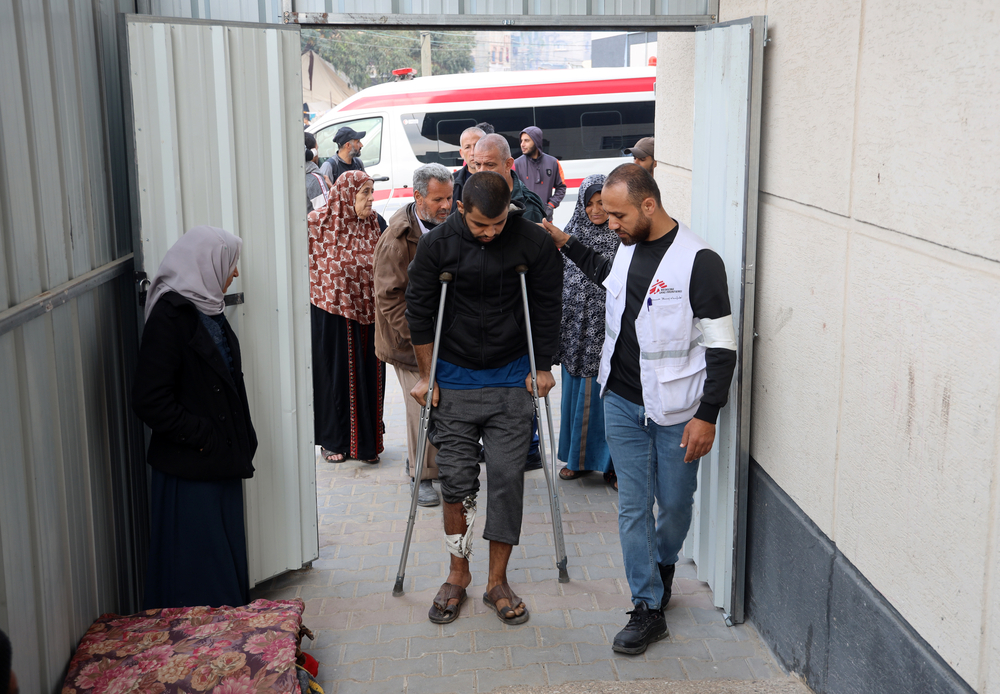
461, 545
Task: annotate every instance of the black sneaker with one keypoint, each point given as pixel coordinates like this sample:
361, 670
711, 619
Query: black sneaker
644, 627
667, 576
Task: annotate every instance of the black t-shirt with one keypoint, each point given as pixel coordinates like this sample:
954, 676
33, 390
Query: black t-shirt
709, 299
624, 379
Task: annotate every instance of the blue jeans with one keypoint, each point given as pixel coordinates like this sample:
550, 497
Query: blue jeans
650, 465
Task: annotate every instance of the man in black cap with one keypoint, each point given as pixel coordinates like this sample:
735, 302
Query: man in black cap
349, 147
642, 153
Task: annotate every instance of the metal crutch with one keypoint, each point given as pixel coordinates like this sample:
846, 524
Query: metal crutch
425, 416
554, 505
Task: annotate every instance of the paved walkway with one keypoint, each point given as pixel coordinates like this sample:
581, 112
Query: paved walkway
369, 641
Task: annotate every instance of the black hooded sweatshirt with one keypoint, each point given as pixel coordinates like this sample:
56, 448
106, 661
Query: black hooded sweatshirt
483, 324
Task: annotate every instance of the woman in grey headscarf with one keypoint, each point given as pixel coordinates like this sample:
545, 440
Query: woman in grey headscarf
581, 437
189, 389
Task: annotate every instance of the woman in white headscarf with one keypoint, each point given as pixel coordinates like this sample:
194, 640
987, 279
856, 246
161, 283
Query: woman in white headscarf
189, 389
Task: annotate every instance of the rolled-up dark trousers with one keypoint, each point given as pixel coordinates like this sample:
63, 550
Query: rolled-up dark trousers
501, 417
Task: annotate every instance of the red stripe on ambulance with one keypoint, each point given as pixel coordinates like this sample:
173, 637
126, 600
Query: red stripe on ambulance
525, 91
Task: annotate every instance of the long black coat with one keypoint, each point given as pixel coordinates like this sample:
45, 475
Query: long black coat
183, 390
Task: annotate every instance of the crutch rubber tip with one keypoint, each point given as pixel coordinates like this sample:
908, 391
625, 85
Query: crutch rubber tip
521, 269
563, 573
397, 590
446, 277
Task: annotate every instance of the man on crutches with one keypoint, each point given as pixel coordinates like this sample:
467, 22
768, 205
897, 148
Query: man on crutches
483, 377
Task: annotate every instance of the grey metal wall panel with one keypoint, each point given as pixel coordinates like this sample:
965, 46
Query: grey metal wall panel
65, 427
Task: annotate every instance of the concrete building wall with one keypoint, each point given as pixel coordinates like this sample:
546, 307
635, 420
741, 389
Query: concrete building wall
876, 379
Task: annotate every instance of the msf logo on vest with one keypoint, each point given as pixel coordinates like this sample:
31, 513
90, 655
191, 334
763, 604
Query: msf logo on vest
659, 291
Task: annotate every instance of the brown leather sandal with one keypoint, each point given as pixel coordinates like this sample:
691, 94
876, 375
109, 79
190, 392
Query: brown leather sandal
499, 593
443, 613
567, 474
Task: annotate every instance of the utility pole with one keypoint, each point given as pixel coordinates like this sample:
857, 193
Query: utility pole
425, 54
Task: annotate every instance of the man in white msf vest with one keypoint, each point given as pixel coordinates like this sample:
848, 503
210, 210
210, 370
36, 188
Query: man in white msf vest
666, 365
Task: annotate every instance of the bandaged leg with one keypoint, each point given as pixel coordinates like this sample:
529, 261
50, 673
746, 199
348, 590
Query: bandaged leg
460, 545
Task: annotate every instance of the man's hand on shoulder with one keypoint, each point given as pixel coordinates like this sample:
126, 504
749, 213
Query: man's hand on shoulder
698, 438
558, 235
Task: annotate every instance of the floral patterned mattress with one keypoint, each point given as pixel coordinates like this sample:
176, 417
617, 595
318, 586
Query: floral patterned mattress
226, 650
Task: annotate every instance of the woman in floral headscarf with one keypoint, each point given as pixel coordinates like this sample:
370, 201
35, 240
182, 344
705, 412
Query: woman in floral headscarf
581, 437
348, 380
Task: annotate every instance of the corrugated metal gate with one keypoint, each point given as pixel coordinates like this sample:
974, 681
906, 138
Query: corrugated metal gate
72, 472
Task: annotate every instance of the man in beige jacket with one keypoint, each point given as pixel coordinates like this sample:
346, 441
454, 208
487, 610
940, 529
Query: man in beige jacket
432, 191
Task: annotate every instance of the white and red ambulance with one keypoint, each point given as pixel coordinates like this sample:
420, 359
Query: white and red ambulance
587, 118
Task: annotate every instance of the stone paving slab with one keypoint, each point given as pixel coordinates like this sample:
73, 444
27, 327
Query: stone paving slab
369, 641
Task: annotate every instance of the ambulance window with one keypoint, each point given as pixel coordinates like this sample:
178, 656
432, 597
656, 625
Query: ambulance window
601, 130
435, 137
371, 143
449, 138
593, 131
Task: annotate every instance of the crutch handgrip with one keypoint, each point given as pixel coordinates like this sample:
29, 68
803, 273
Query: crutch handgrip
446, 277
521, 269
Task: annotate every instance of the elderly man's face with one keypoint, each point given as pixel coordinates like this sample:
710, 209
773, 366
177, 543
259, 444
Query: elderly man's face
488, 159
468, 143
436, 205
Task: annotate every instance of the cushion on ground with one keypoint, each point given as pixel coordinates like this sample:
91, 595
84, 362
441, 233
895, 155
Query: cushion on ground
225, 650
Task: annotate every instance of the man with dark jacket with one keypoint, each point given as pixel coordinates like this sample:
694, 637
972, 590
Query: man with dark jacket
483, 377
539, 171
394, 252
470, 136
493, 154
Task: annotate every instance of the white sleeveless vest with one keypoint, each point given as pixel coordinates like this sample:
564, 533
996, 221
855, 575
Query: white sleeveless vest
671, 349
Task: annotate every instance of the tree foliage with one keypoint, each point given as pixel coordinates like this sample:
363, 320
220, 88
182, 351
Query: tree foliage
369, 57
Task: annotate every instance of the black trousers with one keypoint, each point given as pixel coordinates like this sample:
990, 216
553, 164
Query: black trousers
348, 386
198, 546
501, 417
